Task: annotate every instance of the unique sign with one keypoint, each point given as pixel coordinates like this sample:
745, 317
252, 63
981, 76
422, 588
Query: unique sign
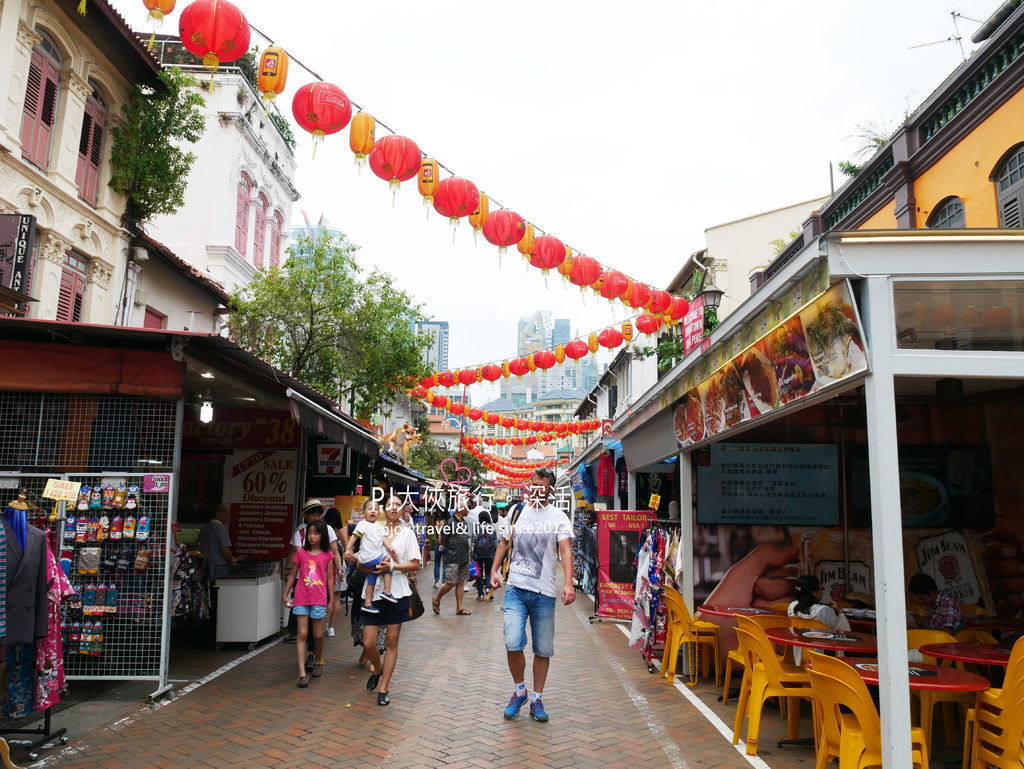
17, 235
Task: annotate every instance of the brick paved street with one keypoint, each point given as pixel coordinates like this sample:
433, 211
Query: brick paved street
447, 695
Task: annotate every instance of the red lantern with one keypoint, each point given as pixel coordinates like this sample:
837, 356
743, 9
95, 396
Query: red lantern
467, 376
504, 228
321, 109
507, 422
519, 367
455, 198
429, 381
660, 301
419, 393
648, 323
574, 427
610, 338
536, 426
614, 284
531, 439
638, 296
492, 419
996, 318
562, 427
522, 424
500, 441
586, 271
678, 309
491, 372
446, 379
544, 359
439, 401
516, 441
488, 441
548, 253
576, 349
474, 414
214, 30
395, 159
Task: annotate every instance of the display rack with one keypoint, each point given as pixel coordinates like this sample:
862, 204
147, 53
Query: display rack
44, 734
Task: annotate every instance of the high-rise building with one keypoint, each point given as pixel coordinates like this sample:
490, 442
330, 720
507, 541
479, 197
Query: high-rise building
534, 332
561, 332
436, 356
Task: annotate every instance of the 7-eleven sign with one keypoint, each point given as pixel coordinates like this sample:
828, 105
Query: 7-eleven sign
331, 459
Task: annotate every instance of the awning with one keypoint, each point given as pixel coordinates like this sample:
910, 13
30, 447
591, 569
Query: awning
337, 427
398, 475
651, 443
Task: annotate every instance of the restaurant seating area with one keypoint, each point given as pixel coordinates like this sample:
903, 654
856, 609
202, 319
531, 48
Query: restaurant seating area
967, 691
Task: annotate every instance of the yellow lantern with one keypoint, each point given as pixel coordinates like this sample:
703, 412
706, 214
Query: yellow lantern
479, 373
479, 217
505, 371
560, 354
361, 136
427, 181
530, 362
525, 245
592, 342
627, 331
430, 398
566, 266
272, 75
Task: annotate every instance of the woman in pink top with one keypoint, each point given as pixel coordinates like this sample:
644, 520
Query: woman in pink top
313, 579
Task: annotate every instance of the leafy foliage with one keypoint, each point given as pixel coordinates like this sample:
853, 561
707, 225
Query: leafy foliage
428, 456
348, 335
779, 244
148, 164
848, 169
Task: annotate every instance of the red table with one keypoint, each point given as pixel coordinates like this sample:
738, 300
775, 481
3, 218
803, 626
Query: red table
729, 611
823, 639
929, 678
979, 654
994, 623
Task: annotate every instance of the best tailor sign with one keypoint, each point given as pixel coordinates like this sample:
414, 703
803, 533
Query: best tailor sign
618, 541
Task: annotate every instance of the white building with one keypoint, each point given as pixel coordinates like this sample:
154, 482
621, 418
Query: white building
64, 81
238, 205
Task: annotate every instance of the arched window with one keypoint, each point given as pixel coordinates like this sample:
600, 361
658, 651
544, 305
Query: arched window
259, 238
242, 213
1009, 180
276, 225
41, 93
948, 215
90, 146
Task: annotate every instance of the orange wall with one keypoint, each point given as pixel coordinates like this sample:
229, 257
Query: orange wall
965, 170
883, 219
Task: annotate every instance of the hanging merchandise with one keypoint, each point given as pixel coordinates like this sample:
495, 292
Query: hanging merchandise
272, 74
214, 30
321, 109
606, 476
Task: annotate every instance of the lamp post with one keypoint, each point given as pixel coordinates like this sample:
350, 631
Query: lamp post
712, 296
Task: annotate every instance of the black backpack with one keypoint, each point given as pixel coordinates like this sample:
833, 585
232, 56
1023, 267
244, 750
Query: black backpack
483, 546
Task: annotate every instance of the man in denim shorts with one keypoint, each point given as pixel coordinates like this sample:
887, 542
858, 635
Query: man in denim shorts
540, 533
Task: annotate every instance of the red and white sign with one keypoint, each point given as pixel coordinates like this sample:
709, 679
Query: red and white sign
331, 459
263, 486
693, 324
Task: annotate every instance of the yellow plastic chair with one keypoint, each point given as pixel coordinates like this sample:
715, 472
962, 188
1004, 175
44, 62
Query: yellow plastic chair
807, 623
853, 737
916, 609
994, 728
764, 677
916, 638
682, 628
973, 610
781, 606
975, 635
756, 624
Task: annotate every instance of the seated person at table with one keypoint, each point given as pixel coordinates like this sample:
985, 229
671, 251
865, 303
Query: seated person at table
943, 609
808, 604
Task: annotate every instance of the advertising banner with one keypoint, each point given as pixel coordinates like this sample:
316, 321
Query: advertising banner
618, 540
263, 487
693, 324
241, 428
819, 346
17, 234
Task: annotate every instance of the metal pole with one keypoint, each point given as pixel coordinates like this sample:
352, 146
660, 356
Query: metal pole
845, 510
462, 422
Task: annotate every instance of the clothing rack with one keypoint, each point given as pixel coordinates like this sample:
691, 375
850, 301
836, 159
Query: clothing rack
44, 735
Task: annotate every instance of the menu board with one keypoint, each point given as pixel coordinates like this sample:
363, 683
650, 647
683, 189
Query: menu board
818, 346
769, 484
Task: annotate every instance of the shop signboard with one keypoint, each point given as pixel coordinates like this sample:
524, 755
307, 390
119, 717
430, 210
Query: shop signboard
949, 558
263, 488
770, 484
332, 460
618, 541
17, 234
235, 428
693, 325
817, 347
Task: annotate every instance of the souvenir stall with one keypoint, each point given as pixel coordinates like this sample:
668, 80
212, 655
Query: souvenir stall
658, 564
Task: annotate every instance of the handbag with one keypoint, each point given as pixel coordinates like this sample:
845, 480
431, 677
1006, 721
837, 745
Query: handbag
415, 602
474, 570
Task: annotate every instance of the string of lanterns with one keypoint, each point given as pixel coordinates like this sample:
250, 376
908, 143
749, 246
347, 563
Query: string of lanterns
217, 31
553, 429
504, 463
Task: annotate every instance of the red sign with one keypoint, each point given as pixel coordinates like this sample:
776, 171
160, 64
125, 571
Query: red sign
241, 429
693, 324
263, 485
618, 541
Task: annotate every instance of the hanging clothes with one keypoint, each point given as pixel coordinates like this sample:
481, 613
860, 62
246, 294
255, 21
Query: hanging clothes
21, 674
606, 476
49, 651
27, 615
622, 479
641, 623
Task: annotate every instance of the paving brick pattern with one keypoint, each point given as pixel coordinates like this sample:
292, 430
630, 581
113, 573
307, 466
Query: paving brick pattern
447, 696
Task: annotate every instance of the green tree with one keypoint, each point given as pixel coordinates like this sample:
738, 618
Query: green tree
149, 166
428, 456
319, 318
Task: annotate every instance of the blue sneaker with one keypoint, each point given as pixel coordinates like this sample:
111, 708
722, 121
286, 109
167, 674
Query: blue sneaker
537, 712
514, 704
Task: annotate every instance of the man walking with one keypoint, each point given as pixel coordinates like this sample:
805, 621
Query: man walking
454, 543
533, 539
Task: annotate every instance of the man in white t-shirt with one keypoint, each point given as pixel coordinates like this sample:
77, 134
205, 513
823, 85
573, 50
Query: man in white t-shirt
537, 536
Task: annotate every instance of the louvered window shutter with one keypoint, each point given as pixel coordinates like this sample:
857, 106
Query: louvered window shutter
242, 216
275, 240
90, 151
1011, 210
71, 297
260, 236
40, 112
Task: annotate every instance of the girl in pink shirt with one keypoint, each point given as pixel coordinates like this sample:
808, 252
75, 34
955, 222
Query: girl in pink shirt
313, 579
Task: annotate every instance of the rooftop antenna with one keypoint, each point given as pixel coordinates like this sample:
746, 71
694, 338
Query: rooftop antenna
956, 37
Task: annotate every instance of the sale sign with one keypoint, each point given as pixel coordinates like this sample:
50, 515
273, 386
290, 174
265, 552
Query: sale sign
263, 488
618, 541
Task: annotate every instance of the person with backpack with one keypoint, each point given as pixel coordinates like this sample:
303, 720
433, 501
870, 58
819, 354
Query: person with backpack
484, 542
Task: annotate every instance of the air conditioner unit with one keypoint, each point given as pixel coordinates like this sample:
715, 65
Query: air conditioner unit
140, 298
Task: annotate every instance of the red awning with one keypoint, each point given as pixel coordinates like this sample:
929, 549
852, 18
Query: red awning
63, 368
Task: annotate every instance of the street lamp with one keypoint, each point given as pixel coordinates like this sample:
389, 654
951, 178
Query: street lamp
712, 297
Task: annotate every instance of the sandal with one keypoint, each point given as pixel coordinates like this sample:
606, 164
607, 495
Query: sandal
318, 669
303, 682
435, 604
463, 613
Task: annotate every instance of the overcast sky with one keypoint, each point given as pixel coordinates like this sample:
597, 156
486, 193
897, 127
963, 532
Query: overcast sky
624, 134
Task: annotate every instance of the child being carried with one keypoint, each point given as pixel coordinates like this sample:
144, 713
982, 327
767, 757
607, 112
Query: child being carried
373, 550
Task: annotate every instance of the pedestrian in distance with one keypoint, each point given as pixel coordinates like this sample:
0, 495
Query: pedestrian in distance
484, 543
313, 580
389, 615
526, 559
333, 519
455, 544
